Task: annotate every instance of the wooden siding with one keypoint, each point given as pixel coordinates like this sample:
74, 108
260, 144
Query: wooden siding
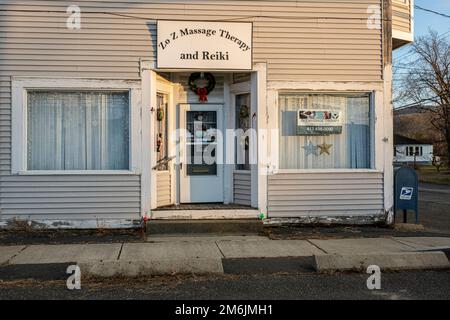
401, 16
5, 125
163, 188
242, 188
60, 197
241, 77
70, 197
300, 40
314, 194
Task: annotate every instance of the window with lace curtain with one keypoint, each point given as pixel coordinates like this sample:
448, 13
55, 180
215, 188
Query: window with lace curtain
78, 130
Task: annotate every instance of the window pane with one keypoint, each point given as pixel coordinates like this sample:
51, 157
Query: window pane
320, 131
78, 130
242, 149
161, 131
201, 145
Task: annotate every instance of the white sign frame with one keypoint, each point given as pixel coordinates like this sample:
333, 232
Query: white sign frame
223, 43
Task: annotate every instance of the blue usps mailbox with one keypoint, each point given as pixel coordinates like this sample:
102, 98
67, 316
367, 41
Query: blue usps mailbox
406, 192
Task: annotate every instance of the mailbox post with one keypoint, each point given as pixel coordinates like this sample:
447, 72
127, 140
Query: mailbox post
406, 192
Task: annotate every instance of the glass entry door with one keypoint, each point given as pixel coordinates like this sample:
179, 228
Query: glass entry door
201, 153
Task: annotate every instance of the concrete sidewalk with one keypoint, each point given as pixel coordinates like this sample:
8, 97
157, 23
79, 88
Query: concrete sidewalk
212, 255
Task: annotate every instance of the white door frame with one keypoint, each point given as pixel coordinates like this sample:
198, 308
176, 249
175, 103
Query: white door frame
150, 86
235, 90
262, 122
148, 159
168, 89
259, 103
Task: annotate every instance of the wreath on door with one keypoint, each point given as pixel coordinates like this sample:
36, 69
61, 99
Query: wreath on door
202, 91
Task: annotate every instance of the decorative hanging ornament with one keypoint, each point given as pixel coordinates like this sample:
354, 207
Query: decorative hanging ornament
159, 114
202, 83
198, 116
244, 112
324, 148
310, 148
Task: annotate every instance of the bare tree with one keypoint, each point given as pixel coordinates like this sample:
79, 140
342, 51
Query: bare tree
426, 83
437, 163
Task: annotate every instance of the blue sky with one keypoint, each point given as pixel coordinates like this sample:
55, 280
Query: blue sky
424, 20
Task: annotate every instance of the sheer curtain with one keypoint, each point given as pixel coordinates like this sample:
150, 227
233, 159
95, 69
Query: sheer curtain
349, 150
358, 123
78, 130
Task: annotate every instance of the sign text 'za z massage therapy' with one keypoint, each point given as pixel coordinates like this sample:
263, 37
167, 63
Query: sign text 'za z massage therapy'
204, 45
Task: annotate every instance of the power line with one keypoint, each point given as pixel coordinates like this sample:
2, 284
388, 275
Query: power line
409, 53
432, 11
416, 103
226, 19
238, 18
405, 55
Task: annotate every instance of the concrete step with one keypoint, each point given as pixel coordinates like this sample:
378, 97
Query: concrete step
210, 227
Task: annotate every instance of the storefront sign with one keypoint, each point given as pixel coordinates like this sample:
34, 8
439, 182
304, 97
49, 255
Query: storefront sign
204, 45
318, 122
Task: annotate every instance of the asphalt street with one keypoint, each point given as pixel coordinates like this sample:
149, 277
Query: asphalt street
394, 286
434, 207
434, 215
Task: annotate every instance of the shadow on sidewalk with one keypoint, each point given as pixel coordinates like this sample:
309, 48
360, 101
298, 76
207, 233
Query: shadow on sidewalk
28, 237
341, 232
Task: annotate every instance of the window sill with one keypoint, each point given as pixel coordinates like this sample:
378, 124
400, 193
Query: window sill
76, 172
327, 171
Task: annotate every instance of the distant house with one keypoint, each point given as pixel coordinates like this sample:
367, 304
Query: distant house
407, 150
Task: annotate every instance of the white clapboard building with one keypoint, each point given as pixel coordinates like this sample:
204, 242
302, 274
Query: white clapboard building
114, 112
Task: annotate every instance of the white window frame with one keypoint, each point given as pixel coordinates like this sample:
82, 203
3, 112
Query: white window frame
420, 151
372, 114
415, 149
408, 151
379, 137
20, 88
